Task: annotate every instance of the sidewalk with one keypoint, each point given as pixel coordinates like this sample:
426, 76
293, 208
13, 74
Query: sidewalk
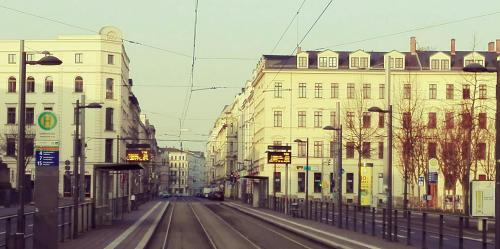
322, 231
133, 231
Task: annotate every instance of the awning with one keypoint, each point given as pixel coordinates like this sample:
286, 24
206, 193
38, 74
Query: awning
118, 166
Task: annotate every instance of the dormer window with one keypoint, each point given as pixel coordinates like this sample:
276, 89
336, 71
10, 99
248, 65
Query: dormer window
467, 62
328, 62
439, 61
359, 60
355, 62
303, 62
363, 62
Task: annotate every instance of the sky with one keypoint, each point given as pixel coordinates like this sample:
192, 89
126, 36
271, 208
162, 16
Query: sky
242, 29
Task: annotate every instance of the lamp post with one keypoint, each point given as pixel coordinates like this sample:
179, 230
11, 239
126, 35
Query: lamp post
47, 60
339, 169
389, 171
307, 173
76, 186
478, 68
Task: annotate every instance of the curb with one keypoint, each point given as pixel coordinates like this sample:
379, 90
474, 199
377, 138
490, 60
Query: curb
149, 234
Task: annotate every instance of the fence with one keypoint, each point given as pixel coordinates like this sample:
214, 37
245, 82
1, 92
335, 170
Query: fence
417, 228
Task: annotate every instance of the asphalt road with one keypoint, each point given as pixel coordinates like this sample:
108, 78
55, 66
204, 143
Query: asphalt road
197, 223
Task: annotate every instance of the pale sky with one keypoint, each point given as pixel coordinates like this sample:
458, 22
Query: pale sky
244, 29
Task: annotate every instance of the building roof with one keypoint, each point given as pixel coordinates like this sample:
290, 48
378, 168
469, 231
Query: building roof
377, 60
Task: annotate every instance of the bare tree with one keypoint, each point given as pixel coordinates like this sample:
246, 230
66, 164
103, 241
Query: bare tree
11, 133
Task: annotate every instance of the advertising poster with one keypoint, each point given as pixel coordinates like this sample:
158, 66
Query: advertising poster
366, 184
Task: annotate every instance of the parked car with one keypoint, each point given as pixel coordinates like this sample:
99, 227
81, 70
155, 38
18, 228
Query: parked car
216, 195
164, 195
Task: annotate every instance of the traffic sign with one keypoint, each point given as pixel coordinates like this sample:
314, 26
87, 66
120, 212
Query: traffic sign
47, 121
47, 158
433, 165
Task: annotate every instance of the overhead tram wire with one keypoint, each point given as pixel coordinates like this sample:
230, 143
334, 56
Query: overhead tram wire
288, 27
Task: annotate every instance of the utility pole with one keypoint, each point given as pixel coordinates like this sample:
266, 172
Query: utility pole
82, 151
497, 161
76, 184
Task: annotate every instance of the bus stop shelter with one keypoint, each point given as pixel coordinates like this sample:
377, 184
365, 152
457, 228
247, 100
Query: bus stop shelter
255, 190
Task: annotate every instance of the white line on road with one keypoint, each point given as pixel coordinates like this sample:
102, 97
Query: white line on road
131, 229
152, 227
168, 228
203, 227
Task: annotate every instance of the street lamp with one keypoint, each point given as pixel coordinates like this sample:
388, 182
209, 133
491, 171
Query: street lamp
76, 190
48, 60
307, 173
478, 68
389, 171
339, 169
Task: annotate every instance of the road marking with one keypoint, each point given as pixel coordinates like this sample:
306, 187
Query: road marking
168, 228
203, 227
131, 229
313, 229
152, 227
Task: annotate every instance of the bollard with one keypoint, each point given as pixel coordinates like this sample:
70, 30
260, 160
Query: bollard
363, 219
396, 225
373, 221
461, 232
346, 216
383, 222
441, 224
355, 218
408, 227
62, 224
424, 234
485, 227
326, 212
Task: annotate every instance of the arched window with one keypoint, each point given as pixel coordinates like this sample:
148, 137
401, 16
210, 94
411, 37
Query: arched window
49, 84
109, 88
30, 84
78, 84
11, 84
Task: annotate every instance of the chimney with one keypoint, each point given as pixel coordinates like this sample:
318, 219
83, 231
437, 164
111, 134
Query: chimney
413, 45
453, 47
491, 46
299, 50
498, 46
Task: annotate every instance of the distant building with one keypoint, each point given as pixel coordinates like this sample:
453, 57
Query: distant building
196, 168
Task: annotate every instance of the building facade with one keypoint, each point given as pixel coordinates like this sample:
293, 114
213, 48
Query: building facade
196, 169
178, 170
292, 98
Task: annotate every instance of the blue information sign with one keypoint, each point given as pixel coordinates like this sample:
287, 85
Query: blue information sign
47, 158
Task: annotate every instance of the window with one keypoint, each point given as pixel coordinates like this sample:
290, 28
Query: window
278, 90
466, 91
334, 90
432, 91
333, 149
367, 119
30, 115
318, 90
365, 150
380, 150
11, 147
29, 57
78, 58
431, 150
445, 64
350, 119
481, 151
367, 88
482, 120
109, 119
350, 90
381, 91
432, 123
12, 58
302, 119
301, 182
449, 120
317, 182
318, 149
399, 63
302, 61
482, 91
332, 62
467, 62
277, 118
111, 59
333, 119
11, 115
109, 88
322, 62
108, 150
381, 120
354, 61
349, 183
318, 118
406, 120
435, 64
302, 149
302, 90
49, 85
349, 150
11, 84
466, 120
407, 91
78, 84
449, 91
30, 85
363, 62
277, 181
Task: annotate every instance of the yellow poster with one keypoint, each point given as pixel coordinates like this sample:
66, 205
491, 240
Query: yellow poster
366, 184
